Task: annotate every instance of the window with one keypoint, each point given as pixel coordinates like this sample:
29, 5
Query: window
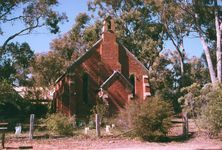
108, 23
85, 86
132, 81
146, 87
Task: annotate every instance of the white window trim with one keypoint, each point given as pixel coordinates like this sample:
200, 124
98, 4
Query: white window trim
145, 94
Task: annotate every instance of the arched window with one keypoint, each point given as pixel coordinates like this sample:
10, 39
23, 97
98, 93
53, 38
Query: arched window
108, 21
132, 81
85, 87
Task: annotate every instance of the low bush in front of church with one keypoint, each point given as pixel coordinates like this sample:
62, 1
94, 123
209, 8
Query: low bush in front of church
149, 120
60, 124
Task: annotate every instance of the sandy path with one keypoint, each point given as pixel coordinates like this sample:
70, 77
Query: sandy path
113, 143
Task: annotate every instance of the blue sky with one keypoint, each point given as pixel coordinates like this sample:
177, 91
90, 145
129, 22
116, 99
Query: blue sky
41, 38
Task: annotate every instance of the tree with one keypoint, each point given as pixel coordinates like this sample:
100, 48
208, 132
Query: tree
137, 26
46, 69
35, 14
11, 103
204, 104
206, 22
176, 27
14, 63
75, 42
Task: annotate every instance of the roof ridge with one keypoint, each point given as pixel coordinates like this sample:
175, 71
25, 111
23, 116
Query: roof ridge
129, 52
78, 60
111, 77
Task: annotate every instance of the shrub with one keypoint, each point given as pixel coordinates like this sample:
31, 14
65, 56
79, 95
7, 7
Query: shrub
11, 103
211, 115
101, 108
204, 104
59, 124
149, 120
39, 109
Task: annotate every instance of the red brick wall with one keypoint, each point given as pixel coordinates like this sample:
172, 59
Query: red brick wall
118, 95
101, 63
109, 51
138, 70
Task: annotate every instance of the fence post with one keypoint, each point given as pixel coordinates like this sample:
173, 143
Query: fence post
3, 139
97, 125
185, 125
31, 128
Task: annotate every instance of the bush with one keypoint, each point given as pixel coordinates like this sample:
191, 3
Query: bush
101, 108
211, 115
59, 124
149, 120
11, 103
39, 109
204, 104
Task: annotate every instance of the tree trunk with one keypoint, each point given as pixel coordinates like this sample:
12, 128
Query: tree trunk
218, 49
181, 55
208, 57
185, 117
181, 65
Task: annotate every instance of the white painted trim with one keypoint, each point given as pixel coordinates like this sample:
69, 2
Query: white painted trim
145, 94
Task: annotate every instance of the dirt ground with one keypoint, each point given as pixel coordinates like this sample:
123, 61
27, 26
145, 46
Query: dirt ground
113, 143
195, 142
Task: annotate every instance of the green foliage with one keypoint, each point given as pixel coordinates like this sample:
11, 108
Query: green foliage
75, 43
204, 104
46, 68
101, 109
149, 120
11, 103
40, 110
212, 114
190, 102
59, 124
136, 26
33, 14
14, 63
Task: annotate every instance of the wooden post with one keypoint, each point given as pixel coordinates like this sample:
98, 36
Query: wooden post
3, 128
3, 139
31, 129
185, 125
97, 125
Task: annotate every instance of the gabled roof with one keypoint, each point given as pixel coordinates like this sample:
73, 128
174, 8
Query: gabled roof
89, 52
131, 54
116, 76
79, 60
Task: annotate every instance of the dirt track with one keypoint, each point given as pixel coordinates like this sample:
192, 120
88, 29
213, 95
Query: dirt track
113, 143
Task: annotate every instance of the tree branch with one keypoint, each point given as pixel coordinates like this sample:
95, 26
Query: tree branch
173, 41
29, 29
14, 18
4, 14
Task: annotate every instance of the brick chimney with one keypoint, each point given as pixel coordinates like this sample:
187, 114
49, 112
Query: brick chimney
109, 50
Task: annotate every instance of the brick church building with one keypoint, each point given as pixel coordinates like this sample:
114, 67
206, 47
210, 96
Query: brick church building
107, 70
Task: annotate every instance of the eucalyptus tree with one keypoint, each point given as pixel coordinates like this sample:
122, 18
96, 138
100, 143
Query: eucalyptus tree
137, 26
15, 63
46, 68
176, 26
77, 40
32, 14
206, 22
